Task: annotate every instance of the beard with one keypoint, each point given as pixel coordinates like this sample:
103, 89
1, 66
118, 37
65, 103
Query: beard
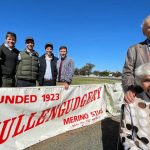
49, 53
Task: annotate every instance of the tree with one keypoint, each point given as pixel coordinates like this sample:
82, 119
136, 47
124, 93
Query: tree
117, 74
82, 71
88, 68
97, 73
104, 73
77, 71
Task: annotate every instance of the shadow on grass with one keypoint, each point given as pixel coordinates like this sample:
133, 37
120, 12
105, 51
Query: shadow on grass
110, 134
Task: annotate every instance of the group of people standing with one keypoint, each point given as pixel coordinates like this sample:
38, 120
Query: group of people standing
27, 69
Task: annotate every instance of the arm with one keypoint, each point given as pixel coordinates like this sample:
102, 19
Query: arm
128, 81
0, 54
40, 73
126, 129
69, 71
128, 70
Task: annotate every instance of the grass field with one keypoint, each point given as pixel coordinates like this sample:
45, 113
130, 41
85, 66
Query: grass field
88, 80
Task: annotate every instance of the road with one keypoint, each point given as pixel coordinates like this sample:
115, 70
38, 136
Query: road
102, 135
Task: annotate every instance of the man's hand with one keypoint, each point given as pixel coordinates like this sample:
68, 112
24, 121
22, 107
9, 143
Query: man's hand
66, 85
129, 96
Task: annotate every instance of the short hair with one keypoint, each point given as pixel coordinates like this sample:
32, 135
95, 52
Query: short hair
11, 34
141, 72
63, 47
144, 23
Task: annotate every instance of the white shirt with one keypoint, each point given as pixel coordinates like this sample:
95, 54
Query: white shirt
48, 72
19, 56
8, 47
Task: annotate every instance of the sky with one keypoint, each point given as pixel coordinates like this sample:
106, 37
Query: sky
95, 31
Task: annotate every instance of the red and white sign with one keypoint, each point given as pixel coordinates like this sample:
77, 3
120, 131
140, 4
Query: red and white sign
30, 115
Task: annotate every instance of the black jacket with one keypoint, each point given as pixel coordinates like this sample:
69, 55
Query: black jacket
42, 68
8, 61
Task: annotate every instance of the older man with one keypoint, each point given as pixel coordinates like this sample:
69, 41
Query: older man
137, 55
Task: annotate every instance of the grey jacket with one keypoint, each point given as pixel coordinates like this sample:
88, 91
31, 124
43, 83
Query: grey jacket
136, 56
67, 70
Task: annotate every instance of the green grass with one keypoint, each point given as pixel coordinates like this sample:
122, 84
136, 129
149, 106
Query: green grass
87, 80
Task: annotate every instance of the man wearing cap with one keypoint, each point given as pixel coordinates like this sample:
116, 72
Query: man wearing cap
28, 67
48, 70
8, 61
137, 55
65, 68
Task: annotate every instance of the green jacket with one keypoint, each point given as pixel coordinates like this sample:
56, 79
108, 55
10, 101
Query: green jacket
28, 66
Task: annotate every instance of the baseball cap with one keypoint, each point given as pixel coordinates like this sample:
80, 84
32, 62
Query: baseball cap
29, 38
49, 44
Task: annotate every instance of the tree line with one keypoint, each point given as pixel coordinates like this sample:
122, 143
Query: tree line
86, 70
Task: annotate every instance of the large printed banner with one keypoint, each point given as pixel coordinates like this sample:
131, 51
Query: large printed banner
31, 115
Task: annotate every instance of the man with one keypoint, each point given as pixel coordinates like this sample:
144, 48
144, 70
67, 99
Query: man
137, 55
135, 122
8, 60
48, 69
28, 67
65, 68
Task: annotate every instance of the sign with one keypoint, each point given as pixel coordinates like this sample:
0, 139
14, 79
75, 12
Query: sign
30, 115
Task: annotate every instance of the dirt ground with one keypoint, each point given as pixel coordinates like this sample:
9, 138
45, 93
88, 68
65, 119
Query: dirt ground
110, 133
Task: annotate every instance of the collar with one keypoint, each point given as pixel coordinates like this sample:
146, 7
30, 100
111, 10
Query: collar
63, 58
148, 42
52, 56
29, 51
8, 47
144, 97
48, 58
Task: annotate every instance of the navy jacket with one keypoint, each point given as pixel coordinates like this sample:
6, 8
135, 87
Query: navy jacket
42, 68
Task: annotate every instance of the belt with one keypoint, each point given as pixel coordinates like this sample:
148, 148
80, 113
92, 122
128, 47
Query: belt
30, 81
45, 80
63, 81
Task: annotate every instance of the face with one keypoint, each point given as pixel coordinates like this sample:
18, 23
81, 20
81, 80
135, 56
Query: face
146, 84
49, 51
63, 53
30, 44
11, 40
146, 28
